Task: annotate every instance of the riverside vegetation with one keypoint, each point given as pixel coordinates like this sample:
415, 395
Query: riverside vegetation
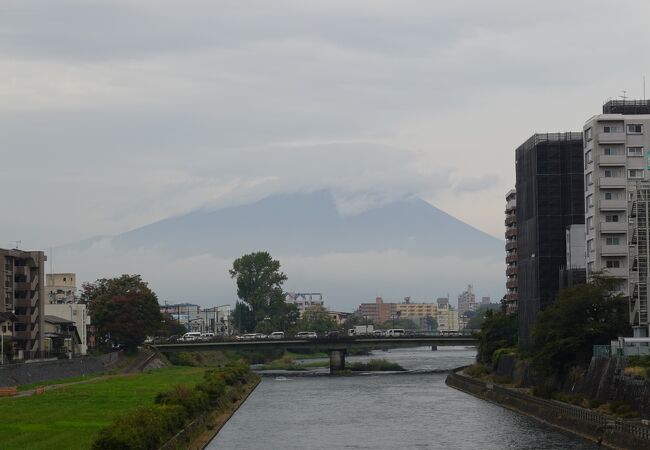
562, 342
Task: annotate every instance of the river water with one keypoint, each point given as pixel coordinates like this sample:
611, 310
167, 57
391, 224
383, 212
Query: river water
406, 411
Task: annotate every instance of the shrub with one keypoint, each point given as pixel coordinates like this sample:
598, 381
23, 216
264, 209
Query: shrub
476, 371
143, 428
635, 371
194, 401
543, 391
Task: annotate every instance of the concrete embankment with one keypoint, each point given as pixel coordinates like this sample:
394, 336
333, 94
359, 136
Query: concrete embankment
37, 372
617, 434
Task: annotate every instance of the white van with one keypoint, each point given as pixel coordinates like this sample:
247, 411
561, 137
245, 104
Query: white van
277, 335
207, 336
191, 336
395, 332
307, 335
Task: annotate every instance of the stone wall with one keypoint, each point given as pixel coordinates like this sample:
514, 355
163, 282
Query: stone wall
26, 373
583, 422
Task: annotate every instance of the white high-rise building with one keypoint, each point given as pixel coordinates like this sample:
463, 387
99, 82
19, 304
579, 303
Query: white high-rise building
617, 200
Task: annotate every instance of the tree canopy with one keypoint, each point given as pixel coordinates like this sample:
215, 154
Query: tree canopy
316, 319
498, 330
124, 310
259, 287
583, 316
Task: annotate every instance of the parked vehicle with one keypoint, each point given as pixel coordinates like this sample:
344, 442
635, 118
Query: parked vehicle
393, 332
332, 334
260, 336
191, 336
306, 335
361, 330
207, 336
277, 335
378, 333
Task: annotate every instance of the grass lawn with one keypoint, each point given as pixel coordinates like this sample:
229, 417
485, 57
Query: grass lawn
70, 417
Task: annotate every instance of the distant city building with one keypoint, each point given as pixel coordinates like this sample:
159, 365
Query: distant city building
415, 311
447, 319
512, 286
378, 312
22, 293
304, 300
550, 197
467, 301
617, 200
485, 300
442, 302
338, 316
61, 287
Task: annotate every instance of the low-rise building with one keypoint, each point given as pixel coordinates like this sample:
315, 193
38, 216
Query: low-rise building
61, 337
338, 316
378, 312
76, 313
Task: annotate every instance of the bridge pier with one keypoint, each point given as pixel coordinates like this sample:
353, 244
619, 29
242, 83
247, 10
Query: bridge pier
434, 348
337, 360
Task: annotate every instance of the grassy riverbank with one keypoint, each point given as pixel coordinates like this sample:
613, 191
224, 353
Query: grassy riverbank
71, 417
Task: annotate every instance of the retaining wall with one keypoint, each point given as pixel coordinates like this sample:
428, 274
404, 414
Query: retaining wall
26, 373
583, 422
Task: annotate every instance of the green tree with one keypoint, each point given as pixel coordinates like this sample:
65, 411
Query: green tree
316, 319
259, 286
498, 330
583, 316
242, 318
170, 326
124, 310
432, 324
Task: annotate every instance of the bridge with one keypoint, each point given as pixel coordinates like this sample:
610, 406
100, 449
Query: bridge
336, 348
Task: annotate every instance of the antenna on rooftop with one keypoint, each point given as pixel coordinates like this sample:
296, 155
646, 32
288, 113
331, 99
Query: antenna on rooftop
16, 244
624, 96
644, 87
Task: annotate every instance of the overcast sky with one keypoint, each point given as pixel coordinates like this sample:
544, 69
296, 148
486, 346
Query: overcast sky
114, 114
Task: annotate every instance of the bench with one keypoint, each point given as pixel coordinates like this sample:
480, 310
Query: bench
8, 391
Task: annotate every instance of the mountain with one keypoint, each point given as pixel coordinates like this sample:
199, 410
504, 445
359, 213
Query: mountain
310, 224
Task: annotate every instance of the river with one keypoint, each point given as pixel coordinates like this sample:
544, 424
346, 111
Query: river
406, 411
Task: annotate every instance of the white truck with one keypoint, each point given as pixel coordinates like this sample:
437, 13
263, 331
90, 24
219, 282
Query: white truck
361, 330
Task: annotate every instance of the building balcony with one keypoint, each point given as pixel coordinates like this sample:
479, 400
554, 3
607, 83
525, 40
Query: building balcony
614, 250
611, 138
612, 160
512, 232
612, 205
23, 286
22, 335
613, 227
612, 182
21, 270
510, 271
512, 219
511, 258
511, 245
512, 284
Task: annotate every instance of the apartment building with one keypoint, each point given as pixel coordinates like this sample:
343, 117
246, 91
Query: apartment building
304, 300
22, 293
617, 200
447, 318
378, 312
512, 285
467, 301
550, 197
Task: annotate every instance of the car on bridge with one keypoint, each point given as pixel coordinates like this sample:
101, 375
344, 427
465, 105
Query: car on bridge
306, 335
277, 335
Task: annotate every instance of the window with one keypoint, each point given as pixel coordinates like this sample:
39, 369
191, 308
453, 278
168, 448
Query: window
635, 173
613, 241
613, 263
588, 134
612, 129
590, 223
590, 201
588, 157
612, 195
634, 128
589, 179
590, 245
609, 173
635, 151
590, 267
611, 218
